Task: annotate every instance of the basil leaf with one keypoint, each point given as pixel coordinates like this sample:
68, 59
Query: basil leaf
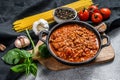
27, 61
25, 54
12, 56
33, 69
19, 68
27, 69
43, 51
15, 55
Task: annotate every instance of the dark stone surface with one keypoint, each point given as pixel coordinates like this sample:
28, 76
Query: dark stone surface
11, 10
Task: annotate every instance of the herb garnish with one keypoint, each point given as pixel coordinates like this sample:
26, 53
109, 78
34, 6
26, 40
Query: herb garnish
22, 59
43, 51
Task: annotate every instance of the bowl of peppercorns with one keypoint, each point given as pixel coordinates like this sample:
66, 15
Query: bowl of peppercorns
63, 14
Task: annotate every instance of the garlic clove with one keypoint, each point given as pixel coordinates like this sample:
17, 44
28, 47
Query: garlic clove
2, 47
34, 27
21, 42
27, 42
18, 44
46, 26
43, 21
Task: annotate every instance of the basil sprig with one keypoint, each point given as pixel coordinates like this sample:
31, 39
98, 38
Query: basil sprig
21, 59
15, 56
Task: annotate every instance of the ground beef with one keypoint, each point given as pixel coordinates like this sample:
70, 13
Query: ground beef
74, 43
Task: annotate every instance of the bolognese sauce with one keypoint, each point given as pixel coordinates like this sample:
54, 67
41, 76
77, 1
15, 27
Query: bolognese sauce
74, 43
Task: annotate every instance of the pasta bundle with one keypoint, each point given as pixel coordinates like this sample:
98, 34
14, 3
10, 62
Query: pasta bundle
26, 23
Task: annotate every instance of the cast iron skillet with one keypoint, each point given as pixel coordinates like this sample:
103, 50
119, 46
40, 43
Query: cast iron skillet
88, 26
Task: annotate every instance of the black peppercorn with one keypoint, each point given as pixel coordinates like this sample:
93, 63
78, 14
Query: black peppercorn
64, 13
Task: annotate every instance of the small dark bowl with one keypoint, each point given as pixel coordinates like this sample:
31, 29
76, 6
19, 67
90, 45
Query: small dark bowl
88, 26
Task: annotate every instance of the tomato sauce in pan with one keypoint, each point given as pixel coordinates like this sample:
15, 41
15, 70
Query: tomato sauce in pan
74, 43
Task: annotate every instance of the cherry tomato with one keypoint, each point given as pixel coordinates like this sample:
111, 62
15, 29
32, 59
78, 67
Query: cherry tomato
93, 9
83, 15
106, 12
96, 18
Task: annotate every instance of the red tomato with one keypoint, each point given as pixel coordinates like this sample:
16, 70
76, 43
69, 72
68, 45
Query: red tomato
96, 18
93, 9
106, 12
84, 15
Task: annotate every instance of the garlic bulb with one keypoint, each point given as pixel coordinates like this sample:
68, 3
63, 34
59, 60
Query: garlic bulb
21, 42
39, 26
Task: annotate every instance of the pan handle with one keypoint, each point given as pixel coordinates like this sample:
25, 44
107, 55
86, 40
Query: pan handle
108, 40
44, 32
